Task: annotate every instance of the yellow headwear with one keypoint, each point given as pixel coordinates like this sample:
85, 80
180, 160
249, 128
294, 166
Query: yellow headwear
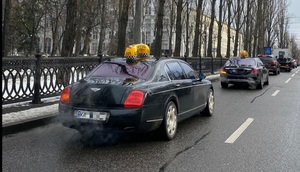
130, 52
244, 54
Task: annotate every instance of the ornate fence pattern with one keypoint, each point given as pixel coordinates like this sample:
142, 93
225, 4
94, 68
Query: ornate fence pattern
26, 79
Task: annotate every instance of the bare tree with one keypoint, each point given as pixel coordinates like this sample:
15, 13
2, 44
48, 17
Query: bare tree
123, 18
159, 29
229, 3
69, 35
220, 26
171, 27
179, 6
238, 25
5, 30
56, 16
195, 51
102, 27
138, 21
211, 28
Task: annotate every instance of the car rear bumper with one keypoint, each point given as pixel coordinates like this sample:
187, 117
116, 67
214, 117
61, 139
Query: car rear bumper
250, 80
285, 67
119, 120
273, 68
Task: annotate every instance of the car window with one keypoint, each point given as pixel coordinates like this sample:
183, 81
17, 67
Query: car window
240, 62
122, 69
259, 62
161, 75
175, 71
189, 71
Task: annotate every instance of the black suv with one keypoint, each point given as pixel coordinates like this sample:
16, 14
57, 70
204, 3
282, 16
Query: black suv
270, 63
286, 64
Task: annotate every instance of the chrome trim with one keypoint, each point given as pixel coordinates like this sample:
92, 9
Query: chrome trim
192, 109
154, 120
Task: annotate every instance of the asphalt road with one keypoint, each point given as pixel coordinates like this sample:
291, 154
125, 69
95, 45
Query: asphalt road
251, 130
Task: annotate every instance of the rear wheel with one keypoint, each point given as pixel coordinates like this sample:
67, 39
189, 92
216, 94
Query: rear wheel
267, 81
260, 85
169, 125
209, 109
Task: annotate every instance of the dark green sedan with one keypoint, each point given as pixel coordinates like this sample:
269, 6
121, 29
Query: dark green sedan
149, 95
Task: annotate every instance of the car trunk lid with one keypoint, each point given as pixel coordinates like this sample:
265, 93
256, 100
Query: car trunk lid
99, 93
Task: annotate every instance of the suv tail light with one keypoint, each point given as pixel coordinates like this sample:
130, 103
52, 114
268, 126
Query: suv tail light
134, 99
65, 95
254, 71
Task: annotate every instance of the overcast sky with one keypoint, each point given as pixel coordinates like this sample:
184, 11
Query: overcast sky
294, 13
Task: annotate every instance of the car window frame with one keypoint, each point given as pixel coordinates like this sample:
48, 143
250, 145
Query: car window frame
194, 72
172, 73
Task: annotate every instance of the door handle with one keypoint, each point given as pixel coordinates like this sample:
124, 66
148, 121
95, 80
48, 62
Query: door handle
177, 85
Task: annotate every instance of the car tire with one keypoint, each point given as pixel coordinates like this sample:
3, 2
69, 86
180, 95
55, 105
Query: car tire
260, 85
224, 85
169, 124
267, 81
209, 108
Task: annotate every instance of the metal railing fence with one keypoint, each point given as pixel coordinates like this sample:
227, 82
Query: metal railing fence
34, 78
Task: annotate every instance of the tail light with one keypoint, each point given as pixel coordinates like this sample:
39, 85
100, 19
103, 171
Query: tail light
134, 99
223, 71
254, 71
273, 63
65, 95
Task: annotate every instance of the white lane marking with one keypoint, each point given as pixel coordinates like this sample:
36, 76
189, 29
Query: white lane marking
293, 75
239, 131
288, 80
275, 93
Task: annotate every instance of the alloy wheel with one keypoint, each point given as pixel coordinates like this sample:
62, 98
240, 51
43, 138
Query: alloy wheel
171, 119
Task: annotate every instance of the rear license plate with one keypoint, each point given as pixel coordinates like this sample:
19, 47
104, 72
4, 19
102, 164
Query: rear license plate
92, 115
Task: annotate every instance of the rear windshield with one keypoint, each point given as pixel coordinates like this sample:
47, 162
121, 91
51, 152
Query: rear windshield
266, 58
240, 62
141, 70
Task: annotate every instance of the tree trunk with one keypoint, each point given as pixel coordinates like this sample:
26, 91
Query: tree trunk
211, 29
228, 52
247, 40
103, 28
171, 30
159, 29
237, 29
195, 50
79, 29
123, 19
69, 36
138, 22
178, 29
220, 24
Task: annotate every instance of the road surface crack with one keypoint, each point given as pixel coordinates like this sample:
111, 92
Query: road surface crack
259, 95
162, 169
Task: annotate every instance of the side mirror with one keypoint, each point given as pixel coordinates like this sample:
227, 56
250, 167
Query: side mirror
202, 76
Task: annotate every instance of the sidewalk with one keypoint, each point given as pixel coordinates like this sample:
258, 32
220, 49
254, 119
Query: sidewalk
26, 112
